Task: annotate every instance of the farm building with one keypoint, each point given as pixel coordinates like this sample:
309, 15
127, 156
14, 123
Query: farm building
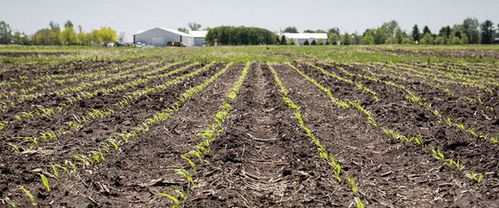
299, 38
163, 37
199, 37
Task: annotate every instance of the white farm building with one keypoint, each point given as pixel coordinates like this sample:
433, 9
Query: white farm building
299, 38
166, 37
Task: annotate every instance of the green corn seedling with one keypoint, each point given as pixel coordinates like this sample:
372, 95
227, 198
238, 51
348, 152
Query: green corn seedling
189, 161
45, 182
14, 147
29, 195
358, 202
54, 170
174, 199
186, 176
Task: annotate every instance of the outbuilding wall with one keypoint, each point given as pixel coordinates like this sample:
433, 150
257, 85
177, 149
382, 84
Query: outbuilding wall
157, 37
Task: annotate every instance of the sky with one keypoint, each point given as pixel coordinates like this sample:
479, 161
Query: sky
130, 16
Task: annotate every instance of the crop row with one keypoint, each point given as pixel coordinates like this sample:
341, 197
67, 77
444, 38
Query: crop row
323, 152
371, 120
95, 114
46, 111
73, 89
462, 70
412, 96
357, 85
208, 136
52, 80
453, 76
40, 80
433, 77
75, 163
396, 75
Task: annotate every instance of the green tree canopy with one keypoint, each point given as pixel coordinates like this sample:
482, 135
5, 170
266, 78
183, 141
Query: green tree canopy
5, 33
229, 35
194, 26
290, 29
471, 28
104, 35
368, 37
487, 32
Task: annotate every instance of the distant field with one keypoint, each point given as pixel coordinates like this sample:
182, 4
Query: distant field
249, 126
343, 54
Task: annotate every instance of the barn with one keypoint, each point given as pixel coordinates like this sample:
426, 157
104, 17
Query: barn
299, 38
163, 37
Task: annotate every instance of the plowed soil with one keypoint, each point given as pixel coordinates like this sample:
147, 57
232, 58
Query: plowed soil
262, 158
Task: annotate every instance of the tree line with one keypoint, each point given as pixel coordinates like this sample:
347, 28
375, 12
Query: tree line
230, 35
470, 31
55, 35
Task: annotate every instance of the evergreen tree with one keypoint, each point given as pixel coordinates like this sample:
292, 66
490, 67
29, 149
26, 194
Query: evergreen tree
415, 33
426, 29
487, 32
313, 42
306, 42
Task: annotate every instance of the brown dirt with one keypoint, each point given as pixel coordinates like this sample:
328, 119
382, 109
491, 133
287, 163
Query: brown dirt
262, 159
35, 54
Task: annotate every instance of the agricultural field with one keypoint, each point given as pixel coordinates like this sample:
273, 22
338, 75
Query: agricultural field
260, 126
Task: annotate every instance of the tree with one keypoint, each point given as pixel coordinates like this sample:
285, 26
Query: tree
333, 36
228, 35
68, 36
471, 28
104, 35
439, 40
445, 32
356, 39
399, 36
20, 38
487, 32
385, 31
284, 41
415, 33
313, 42
68, 24
455, 40
5, 33
346, 39
194, 26
407, 40
54, 26
306, 42
426, 29
427, 39
290, 30
368, 37
46, 37
183, 29
314, 31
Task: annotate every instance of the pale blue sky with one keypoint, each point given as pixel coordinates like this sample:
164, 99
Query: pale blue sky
130, 16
